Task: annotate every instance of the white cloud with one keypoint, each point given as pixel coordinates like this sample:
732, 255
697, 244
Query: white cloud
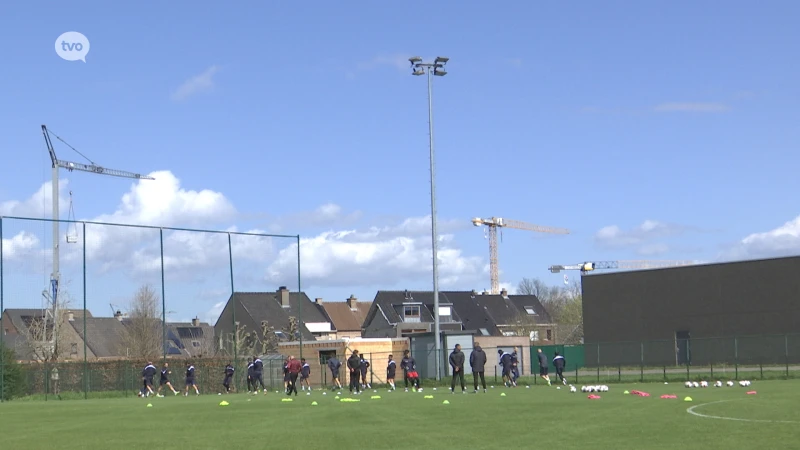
376, 256
20, 245
692, 107
782, 241
39, 204
639, 238
328, 214
199, 83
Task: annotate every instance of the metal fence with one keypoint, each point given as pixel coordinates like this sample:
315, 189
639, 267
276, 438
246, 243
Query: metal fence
77, 292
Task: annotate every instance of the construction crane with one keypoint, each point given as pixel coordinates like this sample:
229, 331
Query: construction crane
624, 265
57, 164
493, 224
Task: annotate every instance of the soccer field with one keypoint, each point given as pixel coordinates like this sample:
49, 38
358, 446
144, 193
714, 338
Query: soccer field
538, 417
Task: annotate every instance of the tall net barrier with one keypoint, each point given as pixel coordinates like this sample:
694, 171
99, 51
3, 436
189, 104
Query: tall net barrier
83, 318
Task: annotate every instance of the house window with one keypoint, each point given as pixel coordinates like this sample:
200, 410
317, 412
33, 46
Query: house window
534, 335
549, 335
484, 332
411, 313
530, 310
73, 351
445, 314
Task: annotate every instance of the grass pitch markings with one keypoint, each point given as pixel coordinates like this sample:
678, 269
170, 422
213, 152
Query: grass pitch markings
691, 410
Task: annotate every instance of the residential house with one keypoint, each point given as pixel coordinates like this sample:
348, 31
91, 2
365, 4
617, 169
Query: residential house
193, 339
105, 337
16, 324
404, 313
248, 310
347, 317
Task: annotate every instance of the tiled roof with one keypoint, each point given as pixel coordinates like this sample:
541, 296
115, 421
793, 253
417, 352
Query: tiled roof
266, 306
344, 318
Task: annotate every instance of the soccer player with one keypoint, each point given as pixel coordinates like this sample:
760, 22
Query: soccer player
334, 365
391, 370
354, 365
505, 363
190, 380
286, 376
165, 372
305, 372
293, 367
543, 366
560, 362
477, 359
148, 373
250, 374
409, 366
228, 377
514, 367
258, 375
364, 368
457, 363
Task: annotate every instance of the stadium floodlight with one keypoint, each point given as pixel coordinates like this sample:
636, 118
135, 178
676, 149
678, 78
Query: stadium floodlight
419, 67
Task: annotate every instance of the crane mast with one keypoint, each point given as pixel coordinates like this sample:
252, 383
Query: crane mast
55, 276
493, 224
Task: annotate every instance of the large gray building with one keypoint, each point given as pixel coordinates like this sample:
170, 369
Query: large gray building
745, 311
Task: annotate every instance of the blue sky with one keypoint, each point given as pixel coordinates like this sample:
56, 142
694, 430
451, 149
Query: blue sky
651, 131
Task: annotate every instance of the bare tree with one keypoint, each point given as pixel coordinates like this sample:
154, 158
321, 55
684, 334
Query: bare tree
45, 334
525, 325
563, 304
292, 329
250, 342
269, 340
142, 335
243, 341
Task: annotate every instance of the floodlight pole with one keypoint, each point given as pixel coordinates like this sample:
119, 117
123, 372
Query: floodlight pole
430, 69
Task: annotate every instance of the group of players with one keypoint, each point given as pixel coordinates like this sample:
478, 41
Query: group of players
358, 368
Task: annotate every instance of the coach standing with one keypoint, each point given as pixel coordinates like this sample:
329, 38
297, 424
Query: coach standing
294, 367
477, 359
457, 363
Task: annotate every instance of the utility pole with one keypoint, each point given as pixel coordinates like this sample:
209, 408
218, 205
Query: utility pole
435, 68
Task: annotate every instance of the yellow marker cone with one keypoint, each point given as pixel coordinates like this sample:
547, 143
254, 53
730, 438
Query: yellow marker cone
149, 405
502, 394
626, 392
375, 397
223, 403
445, 402
336, 398
313, 403
688, 399
428, 396
287, 400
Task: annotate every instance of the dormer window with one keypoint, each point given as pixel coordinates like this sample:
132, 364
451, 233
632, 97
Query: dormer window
530, 310
411, 313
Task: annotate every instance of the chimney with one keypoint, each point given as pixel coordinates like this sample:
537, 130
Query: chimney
352, 302
70, 316
318, 301
196, 322
485, 293
283, 296
504, 293
118, 315
474, 293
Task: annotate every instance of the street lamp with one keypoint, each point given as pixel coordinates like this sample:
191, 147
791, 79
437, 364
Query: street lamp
419, 67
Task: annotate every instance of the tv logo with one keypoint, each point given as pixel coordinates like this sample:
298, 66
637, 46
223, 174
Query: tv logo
72, 46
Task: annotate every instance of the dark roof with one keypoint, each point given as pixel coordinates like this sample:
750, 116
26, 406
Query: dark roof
105, 335
345, 319
180, 336
19, 345
473, 310
20, 317
267, 306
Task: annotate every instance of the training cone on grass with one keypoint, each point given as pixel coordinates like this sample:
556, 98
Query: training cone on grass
502, 394
223, 403
149, 405
428, 396
669, 396
751, 392
287, 399
375, 397
445, 402
626, 393
593, 397
336, 398
314, 403
688, 399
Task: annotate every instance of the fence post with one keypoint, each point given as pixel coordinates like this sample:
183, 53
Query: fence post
712, 369
619, 372
688, 375
785, 349
2, 332
736, 357
233, 306
641, 364
598, 362
85, 336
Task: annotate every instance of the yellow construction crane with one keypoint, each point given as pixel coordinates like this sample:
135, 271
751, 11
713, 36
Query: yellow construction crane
625, 265
496, 222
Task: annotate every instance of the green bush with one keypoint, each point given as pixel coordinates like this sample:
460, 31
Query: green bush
13, 377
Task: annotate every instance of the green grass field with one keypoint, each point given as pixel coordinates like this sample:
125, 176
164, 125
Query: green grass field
536, 417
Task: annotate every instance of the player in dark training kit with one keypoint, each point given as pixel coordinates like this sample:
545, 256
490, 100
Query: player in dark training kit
543, 366
164, 381
258, 375
364, 368
505, 364
335, 365
305, 372
391, 371
409, 366
250, 374
560, 362
228, 377
190, 379
148, 373
354, 366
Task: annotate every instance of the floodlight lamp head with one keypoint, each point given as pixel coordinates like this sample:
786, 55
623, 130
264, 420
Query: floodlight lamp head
415, 60
418, 72
441, 59
439, 72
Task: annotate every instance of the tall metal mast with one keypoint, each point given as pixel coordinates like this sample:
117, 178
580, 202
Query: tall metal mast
55, 277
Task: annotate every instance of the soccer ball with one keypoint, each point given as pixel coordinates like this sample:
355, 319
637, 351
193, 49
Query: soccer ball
688, 384
572, 389
729, 383
704, 384
584, 389
718, 384
695, 384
